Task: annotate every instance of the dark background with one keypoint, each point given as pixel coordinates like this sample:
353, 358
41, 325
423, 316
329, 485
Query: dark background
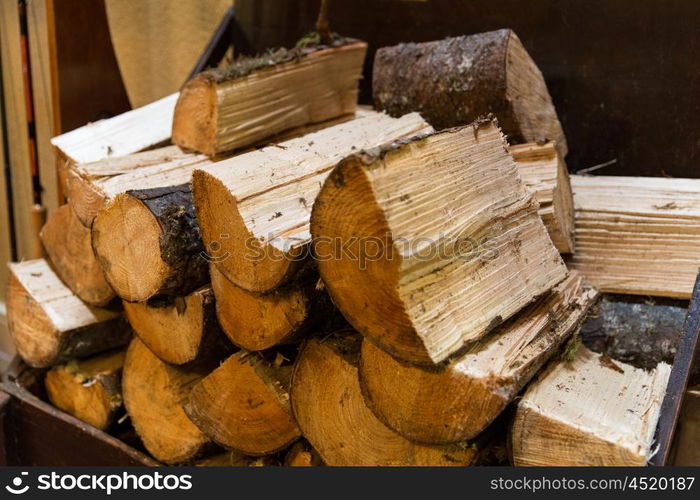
624, 74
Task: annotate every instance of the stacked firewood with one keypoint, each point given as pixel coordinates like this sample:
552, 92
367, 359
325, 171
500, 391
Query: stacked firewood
298, 280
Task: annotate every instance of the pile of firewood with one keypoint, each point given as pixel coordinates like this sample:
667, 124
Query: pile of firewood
303, 281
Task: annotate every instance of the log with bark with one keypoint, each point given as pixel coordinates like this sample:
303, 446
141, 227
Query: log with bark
244, 404
458, 400
544, 172
68, 245
148, 243
638, 235
254, 209
231, 107
88, 389
130, 132
590, 411
49, 324
154, 394
181, 329
332, 414
429, 244
256, 321
454, 81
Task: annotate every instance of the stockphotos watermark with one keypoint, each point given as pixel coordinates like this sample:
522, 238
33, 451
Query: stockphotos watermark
362, 250
104, 483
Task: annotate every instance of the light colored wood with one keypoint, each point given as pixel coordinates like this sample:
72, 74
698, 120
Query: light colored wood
254, 209
235, 459
331, 412
68, 245
427, 245
50, 324
457, 401
591, 411
88, 389
638, 235
16, 119
255, 321
42, 54
687, 434
158, 42
130, 132
244, 405
545, 173
180, 330
6, 249
229, 108
302, 454
154, 393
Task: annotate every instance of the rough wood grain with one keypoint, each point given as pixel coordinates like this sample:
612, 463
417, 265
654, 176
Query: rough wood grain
148, 243
591, 411
331, 412
154, 394
244, 405
68, 245
458, 400
254, 208
229, 108
50, 324
545, 173
181, 329
454, 81
429, 244
88, 389
638, 235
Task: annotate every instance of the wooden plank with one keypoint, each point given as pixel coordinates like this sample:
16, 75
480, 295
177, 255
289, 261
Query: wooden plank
42, 52
5, 229
20, 154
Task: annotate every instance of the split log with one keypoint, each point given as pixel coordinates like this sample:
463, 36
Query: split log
235, 459
49, 324
148, 244
88, 389
302, 454
93, 185
154, 394
454, 81
429, 244
68, 245
332, 414
244, 405
545, 173
181, 329
592, 411
638, 235
457, 401
228, 108
133, 131
688, 430
256, 322
254, 208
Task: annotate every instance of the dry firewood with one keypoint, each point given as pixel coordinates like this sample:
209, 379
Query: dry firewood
332, 414
638, 235
148, 244
69, 248
590, 411
154, 394
181, 329
254, 208
545, 173
235, 459
229, 108
133, 131
260, 321
458, 400
429, 244
454, 81
244, 404
50, 324
88, 389
302, 454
